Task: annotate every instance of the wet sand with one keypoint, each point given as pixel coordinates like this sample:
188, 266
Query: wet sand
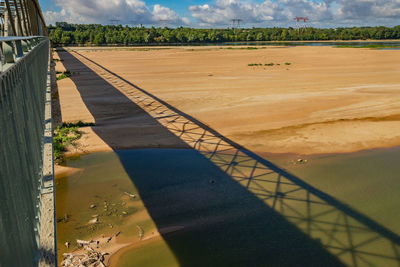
327, 100
100, 180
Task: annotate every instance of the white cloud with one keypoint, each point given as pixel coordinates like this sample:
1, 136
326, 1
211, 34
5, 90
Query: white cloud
225, 10
369, 9
164, 13
317, 11
283, 12
102, 11
252, 12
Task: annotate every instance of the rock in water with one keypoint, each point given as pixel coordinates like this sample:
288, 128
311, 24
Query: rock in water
130, 195
94, 220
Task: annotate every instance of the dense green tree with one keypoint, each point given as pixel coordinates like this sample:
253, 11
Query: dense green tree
67, 38
87, 34
56, 35
99, 38
260, 37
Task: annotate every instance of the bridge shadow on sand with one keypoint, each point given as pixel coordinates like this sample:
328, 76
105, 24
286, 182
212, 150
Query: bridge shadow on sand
245, 211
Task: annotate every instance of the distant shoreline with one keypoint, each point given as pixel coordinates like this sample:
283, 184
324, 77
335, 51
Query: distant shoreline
255, 43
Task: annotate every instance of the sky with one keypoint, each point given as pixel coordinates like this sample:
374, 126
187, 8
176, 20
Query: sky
219, 13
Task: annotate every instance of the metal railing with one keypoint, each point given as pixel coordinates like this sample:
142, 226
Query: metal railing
23, 82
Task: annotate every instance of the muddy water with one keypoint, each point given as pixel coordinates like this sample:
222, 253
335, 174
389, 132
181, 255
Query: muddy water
369, 181
98, 190
205, 217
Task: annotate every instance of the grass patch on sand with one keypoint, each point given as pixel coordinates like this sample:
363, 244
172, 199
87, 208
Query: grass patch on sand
271, 64
243, 48
370, 46
66, 135
63, 75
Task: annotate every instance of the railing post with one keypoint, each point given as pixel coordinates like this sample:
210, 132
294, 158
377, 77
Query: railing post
25, 47
18, 46
35, 41
8, 52
29, 42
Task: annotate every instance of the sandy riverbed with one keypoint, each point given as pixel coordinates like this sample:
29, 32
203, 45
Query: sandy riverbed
327, 100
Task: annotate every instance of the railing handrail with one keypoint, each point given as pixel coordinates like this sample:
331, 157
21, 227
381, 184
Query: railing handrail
14, 48
18, 38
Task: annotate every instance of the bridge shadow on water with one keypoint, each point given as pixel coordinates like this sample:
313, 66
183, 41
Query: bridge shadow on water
237, 208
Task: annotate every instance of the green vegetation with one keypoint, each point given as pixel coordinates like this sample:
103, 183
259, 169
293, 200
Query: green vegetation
95, 34
78, 124
243, 48
266, 64
65, 74
288, 63
371, 46
66, 135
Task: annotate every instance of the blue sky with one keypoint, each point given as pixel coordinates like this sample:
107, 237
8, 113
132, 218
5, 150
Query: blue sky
180, 7
219, 13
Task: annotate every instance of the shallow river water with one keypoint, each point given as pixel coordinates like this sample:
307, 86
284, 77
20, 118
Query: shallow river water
227, 210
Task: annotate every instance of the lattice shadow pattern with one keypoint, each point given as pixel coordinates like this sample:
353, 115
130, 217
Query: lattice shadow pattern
354, 238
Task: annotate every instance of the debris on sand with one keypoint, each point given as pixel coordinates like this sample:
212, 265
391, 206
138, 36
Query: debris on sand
114, 235
89, 253
301, 161
130, 195
91, 258
141, 232
82, 243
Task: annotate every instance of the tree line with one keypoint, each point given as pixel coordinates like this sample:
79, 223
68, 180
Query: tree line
95, 34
